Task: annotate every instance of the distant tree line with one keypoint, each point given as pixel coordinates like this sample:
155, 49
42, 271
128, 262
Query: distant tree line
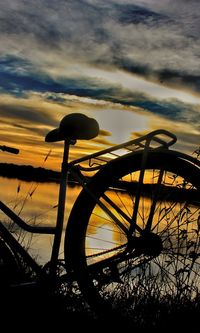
28, 173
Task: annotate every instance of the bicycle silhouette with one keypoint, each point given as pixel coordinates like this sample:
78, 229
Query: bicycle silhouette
132, 230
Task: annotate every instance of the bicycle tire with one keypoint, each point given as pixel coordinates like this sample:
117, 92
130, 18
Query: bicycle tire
173, 270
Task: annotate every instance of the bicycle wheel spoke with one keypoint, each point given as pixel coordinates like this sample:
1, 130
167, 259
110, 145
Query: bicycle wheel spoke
162, 253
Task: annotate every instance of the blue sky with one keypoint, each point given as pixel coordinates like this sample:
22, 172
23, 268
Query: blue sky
133, 65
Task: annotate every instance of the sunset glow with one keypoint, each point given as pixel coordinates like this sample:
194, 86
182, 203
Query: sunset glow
132, 72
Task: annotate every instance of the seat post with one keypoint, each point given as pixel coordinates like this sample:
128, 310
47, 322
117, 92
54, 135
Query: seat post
61, 206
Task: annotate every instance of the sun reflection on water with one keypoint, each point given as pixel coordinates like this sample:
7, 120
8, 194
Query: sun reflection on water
36, 204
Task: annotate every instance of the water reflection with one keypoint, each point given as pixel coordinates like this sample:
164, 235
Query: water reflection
175, 221
36, 203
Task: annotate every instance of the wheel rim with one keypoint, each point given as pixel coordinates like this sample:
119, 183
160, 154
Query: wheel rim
174, 270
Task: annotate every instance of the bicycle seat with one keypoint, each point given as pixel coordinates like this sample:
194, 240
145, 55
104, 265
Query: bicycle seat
75, 126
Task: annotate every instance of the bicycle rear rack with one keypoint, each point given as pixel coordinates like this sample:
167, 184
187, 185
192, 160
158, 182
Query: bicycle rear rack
153, 140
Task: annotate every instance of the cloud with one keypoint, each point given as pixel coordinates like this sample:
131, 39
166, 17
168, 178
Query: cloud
114, 34
173, 110
58, 57
24, 122
38, 112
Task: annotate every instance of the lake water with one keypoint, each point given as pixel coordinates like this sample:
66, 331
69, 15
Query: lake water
36, 203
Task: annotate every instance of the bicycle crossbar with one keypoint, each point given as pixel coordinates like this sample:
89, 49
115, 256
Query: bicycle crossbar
24, 225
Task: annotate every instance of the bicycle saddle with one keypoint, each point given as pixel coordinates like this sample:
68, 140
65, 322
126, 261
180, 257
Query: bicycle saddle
75, 126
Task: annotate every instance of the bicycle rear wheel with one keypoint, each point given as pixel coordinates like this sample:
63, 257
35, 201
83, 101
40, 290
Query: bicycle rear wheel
161, 254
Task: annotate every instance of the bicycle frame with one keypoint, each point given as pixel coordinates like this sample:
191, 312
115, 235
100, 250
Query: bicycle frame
76, 170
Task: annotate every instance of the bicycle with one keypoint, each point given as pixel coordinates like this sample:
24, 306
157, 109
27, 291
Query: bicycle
134, 228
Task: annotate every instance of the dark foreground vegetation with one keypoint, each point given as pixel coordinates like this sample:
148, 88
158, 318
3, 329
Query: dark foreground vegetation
41, 311
33, 308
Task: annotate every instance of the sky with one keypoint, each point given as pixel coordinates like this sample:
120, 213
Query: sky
131, 65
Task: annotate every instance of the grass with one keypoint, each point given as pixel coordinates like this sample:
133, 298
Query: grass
64, 308
148, 313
